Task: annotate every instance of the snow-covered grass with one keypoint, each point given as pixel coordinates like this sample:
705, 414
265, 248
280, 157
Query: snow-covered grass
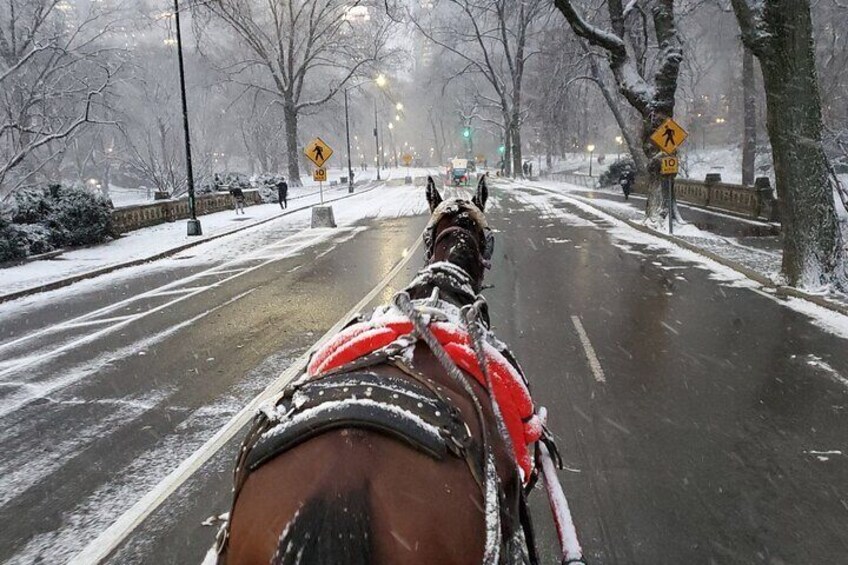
122, 196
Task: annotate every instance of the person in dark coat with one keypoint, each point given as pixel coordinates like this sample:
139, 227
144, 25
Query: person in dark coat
628, 177
238, 198
283, 193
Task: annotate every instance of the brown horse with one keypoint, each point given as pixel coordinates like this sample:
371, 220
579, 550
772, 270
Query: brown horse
344, 492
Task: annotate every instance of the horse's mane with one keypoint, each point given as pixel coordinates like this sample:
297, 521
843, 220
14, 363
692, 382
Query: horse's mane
454, 283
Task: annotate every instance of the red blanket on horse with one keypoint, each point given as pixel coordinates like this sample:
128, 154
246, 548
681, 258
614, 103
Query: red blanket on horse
510, 392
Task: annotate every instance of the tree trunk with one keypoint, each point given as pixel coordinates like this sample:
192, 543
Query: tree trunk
515, 138
749, 140
507, 154
813, 253
292, 146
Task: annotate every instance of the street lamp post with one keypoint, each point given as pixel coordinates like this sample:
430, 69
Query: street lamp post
376, 138
618, 140
193, 227
347, 134
591, 149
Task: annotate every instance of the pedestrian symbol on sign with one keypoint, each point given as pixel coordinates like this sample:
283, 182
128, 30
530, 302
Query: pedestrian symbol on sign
669, 136
318, 152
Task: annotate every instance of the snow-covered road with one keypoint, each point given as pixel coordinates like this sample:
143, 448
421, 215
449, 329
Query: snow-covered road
718, 404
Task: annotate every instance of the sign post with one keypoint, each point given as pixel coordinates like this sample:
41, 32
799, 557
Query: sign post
319, 153
668, 137
407, 160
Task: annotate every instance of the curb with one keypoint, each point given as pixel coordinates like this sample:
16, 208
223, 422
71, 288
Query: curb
780, 290
161, 255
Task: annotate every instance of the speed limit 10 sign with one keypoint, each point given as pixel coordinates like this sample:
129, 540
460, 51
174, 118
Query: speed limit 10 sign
669, 165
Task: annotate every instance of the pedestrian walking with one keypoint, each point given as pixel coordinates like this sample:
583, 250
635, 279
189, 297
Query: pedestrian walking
628, 177
283, 192
238, 199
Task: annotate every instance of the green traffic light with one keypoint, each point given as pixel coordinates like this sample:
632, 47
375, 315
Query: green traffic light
501, 149
466, 132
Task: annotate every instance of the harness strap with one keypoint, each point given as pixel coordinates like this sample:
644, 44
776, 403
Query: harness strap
491, 500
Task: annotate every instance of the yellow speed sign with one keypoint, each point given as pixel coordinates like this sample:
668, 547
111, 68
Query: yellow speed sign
320, 175
669, 165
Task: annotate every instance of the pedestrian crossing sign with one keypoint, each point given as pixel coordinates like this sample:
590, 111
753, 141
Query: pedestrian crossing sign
669, 136
318, 152
320, 175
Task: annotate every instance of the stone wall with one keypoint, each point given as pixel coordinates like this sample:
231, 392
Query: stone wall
131, 218
756, 201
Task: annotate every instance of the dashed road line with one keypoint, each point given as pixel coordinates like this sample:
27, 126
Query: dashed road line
591, 357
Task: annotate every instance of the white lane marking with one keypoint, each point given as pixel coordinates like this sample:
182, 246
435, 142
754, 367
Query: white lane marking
23, 469
175, 285
30, 360
21, 398
103, 545
669, 328
591, 357
563, 519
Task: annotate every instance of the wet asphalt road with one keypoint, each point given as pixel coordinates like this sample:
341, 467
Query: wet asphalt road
708, 438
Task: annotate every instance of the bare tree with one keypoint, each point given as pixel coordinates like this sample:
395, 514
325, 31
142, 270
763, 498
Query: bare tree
55, 67
293, 44
780, 34
493, 40
653, 97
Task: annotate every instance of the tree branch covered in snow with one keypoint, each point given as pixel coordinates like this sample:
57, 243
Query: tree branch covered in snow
56, 67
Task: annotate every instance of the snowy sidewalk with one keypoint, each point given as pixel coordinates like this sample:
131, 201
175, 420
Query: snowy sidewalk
146, 244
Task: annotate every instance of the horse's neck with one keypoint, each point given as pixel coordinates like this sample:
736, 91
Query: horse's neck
449, 284
452, 281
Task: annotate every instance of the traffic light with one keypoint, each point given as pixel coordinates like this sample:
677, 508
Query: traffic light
466, 133
502, 149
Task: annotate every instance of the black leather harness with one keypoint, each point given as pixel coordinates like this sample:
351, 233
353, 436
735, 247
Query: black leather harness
399, 408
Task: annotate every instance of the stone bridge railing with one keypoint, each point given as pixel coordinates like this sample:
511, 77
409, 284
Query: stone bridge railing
131, 218
756, 201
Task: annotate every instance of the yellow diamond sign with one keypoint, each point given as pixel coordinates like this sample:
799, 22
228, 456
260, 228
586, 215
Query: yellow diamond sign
669, 136
318, 152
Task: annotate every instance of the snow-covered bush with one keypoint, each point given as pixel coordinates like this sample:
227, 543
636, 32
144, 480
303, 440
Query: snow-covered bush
613, 174
79, 217
12, 245
267, 186
39, 220
223, 182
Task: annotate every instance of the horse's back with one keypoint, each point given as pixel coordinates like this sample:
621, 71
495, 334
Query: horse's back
392, 503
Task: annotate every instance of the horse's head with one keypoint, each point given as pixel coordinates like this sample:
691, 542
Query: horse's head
458, 232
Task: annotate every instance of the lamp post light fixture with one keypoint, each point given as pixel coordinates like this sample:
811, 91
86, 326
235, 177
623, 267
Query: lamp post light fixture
619, 140
591, 149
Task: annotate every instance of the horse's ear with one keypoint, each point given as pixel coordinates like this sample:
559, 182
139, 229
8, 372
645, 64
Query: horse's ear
482, 195
433, 196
